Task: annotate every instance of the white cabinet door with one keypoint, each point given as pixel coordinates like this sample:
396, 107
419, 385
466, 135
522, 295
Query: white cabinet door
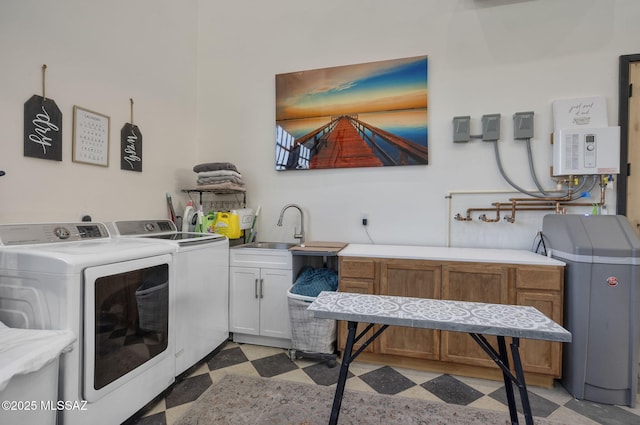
244, 301
274, 308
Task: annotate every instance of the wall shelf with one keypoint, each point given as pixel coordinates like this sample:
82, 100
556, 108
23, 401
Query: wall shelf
238, 203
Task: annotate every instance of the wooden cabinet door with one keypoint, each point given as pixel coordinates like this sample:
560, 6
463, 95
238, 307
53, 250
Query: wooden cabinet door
410, 279
487, 283
358, 286
632, 210
541, 356
541, 287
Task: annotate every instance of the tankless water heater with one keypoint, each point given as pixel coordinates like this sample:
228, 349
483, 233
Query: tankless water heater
580, 151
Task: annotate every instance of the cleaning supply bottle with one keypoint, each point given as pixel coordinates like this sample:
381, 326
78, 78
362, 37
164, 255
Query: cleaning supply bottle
199, 223
228, 225
187, 216
209, 220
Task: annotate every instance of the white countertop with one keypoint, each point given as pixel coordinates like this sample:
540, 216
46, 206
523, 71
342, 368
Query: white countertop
482, 255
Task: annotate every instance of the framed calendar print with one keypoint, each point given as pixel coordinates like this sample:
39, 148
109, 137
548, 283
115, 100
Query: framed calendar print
90, 137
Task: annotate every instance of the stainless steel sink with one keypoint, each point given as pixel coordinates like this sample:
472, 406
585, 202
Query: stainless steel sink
268, 245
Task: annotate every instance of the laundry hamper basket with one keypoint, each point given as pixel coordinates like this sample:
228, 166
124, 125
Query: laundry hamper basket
153, 302
310, 337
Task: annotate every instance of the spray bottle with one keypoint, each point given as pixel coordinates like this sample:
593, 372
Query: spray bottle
187, 216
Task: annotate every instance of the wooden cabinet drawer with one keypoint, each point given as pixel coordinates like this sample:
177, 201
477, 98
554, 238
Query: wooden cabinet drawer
545, 278
357, 267
357, 286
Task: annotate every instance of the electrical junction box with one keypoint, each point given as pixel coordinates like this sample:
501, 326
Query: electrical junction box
586, 151
523, 125
461, 129
490, 127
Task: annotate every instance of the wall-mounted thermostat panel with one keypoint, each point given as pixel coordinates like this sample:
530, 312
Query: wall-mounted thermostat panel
578, 151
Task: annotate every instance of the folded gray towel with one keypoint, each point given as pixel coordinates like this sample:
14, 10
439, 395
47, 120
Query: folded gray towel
213, 166
224, 186
217, 179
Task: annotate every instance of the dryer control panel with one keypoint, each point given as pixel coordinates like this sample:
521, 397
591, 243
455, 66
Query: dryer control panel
40, 233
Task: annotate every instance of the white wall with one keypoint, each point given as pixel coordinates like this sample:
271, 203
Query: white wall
485, 56
202, 77
98, 56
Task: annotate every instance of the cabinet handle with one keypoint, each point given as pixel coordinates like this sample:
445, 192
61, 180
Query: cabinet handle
255, 288
261, 288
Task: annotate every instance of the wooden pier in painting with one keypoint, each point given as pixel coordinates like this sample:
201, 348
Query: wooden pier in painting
348, 142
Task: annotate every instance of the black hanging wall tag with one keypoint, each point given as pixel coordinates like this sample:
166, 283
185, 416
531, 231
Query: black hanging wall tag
42, 129
131, 148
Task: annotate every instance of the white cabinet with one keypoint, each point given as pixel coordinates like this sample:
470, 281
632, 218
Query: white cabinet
258, 307
258, 299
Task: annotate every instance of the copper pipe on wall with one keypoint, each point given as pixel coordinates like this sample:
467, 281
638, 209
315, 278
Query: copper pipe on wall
468, 217
484, 218
559, 204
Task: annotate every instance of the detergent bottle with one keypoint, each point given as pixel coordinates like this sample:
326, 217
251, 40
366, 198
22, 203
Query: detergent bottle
228, 224
209, 221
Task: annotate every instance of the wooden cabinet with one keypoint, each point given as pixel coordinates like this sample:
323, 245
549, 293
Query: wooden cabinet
357, 276
487, 283
542, 289
410, 279
540, 286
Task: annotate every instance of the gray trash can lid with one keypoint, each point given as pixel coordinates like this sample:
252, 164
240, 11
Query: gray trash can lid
23, 351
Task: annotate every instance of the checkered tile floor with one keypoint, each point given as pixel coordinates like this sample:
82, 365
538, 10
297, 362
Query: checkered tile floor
251, 360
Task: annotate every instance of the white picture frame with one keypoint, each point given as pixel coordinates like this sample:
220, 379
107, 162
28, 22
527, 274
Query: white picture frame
91, 132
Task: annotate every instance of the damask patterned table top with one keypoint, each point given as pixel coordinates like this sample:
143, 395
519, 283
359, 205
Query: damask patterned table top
459, 316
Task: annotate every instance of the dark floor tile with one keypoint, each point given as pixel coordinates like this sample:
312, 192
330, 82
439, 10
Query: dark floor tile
321, 374
274, 365
226, 358
602, 413
157, 419
387, 381
188, 390
451, 390
539, 406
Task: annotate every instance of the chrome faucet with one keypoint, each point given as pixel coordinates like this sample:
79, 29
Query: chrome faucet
295, 235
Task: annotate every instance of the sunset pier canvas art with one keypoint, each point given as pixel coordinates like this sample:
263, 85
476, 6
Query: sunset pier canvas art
366, 115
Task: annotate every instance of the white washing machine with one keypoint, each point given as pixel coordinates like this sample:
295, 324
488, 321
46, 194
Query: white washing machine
113, 294
201, 265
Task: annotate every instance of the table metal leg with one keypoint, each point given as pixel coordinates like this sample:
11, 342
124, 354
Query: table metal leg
524, 396
508, 384
349, 356
344, 372
502, 360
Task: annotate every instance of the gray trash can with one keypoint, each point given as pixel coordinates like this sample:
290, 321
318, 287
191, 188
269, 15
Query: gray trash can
601, 304
29, 364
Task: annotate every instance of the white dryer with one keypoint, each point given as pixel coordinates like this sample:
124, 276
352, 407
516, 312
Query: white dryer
201, 265
113, 294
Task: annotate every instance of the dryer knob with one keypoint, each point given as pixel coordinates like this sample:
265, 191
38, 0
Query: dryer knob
62, 232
